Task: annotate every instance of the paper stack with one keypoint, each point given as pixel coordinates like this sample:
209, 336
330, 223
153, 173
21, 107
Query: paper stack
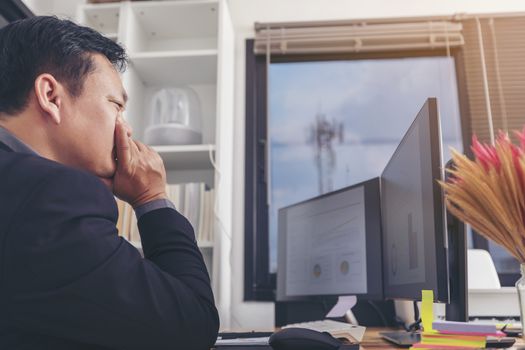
448, 334
457, 335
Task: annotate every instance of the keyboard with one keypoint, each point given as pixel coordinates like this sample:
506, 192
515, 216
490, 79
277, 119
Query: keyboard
242, 335
333, 327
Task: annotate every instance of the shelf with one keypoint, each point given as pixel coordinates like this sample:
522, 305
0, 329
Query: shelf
102, 17
177, 19
112, 36
101, 6
190, 157
205, 245
176, 67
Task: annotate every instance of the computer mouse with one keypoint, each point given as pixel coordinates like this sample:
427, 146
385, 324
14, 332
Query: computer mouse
303, 339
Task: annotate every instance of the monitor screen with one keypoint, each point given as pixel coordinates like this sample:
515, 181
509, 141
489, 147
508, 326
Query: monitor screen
413, 224
331, 245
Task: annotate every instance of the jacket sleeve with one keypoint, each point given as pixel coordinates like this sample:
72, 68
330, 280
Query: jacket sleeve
69, 275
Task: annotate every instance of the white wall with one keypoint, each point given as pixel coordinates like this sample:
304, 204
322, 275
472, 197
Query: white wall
246, 12
251, 315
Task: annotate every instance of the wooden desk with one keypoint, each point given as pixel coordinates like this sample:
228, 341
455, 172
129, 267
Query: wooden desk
372, 340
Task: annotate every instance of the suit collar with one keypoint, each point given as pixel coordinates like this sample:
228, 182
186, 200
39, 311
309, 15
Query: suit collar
5, 147
13, 143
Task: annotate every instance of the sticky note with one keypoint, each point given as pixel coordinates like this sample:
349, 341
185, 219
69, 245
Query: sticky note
427, 309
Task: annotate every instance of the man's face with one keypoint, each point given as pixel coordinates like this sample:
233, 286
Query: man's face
86, 131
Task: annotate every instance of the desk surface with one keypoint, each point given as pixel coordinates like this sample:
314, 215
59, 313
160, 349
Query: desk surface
372, 340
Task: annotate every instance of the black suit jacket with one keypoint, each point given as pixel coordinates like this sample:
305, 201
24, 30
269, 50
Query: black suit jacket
67, 281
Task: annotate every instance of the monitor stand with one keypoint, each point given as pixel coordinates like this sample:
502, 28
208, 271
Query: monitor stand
350, 318
343, 308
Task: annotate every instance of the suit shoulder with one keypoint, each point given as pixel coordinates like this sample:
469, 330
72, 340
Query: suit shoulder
38, 174
38, 167
32, 185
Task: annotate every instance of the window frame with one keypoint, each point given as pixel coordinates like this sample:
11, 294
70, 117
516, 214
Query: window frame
259, 282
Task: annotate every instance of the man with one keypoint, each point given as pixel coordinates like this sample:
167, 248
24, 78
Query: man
67, 281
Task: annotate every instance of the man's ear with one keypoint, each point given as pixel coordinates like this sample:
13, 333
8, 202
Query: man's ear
49, 95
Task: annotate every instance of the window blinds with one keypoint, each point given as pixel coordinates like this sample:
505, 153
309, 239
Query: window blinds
494, 63
343, 37
493, 51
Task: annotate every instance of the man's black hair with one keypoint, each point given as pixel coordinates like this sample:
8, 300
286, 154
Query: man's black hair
46, 44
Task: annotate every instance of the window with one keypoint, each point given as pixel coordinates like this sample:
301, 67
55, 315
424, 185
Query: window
336, 123
324, 119
333, 121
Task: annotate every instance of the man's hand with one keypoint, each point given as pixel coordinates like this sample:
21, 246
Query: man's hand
140, 176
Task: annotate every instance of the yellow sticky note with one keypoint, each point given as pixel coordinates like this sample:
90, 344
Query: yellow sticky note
427, 309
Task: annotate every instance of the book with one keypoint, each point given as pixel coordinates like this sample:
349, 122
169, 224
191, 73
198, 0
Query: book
192, 200
461, 340
463, 327
120, 208
497, 334
438, 347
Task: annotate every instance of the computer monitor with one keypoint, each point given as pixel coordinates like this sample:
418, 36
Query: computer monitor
331, 245
413, 220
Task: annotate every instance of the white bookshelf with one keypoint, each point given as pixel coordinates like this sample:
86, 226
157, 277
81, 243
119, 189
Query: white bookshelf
180, 43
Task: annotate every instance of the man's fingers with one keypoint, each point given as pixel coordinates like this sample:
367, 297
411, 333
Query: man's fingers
122, 143
142, 147
134, 147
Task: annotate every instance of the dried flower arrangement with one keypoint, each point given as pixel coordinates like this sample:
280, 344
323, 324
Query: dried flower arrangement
489, 192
